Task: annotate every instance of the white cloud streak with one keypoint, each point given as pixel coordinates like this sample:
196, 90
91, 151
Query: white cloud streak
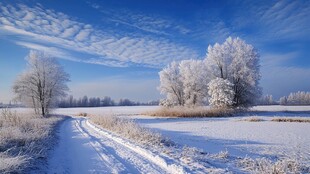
274, 20
59, 30
151, 23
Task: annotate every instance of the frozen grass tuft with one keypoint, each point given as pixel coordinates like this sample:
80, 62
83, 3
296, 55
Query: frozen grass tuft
24, 137
191, 112
12, 164
298, 120
253, 119
263, 165
128, 129
222, 155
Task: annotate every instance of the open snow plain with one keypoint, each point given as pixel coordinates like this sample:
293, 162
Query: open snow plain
233, 135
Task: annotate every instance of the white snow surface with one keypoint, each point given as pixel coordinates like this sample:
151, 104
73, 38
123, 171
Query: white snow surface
269, 139
85, 148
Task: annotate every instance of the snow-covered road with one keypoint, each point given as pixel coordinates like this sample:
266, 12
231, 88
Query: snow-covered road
83, 148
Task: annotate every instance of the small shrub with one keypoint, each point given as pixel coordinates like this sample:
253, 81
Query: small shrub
82, 114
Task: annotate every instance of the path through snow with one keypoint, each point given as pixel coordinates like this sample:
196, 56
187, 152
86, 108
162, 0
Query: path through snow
84, 149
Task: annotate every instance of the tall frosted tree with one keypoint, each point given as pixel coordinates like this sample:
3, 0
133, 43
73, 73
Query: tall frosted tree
238, 62
195, 82
171, 84
42, 83
184, 83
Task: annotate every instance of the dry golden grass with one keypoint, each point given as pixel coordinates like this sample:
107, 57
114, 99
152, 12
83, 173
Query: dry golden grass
298, 120
190, 112
253, 119
128, 129
82, 114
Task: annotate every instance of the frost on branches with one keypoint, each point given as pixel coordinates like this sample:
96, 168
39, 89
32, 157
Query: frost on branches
195, 82
171, 85
234, 61
237, 62
184, 83
221, 93
42, 83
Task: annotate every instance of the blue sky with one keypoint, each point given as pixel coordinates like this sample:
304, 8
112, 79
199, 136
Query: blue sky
116, 48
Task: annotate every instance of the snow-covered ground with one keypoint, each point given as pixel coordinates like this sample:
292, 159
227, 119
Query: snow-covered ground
240, 138
85, 148
115, 110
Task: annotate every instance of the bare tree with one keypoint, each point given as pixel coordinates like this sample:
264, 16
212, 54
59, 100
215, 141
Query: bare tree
42, 83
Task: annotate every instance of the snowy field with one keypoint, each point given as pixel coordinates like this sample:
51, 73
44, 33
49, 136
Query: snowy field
222, 143
240, 138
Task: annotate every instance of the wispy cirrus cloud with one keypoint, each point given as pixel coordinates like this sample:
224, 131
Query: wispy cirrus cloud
149, 23
58, 31
273, 20
287, 19
258, 22
49, 50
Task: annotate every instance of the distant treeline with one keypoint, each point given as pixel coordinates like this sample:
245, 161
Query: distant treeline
267, 100
10, 105
298, 98
99, 102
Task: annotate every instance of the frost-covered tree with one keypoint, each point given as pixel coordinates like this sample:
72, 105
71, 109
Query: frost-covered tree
195, 80
238, 62
184, 83
221, 93
171, 85
283, 100
43, 82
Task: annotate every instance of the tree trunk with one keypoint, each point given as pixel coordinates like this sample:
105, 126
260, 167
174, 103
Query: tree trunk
43, 111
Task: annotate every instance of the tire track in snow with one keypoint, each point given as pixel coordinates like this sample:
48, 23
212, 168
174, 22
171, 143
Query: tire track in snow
170, 165
84, 149
110, 160
74, 153
133, 161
